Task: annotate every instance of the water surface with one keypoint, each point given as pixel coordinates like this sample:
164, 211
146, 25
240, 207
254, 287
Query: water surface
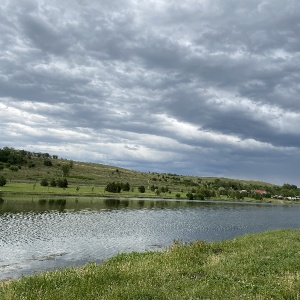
42, 235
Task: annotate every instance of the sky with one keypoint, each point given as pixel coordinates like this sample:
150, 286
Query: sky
204, 88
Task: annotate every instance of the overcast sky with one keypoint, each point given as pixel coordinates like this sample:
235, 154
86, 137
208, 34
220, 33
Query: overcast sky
205, 88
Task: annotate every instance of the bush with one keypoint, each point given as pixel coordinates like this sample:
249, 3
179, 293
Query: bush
113, 187
141, 189
48, 163
190, 196
126, 187
31, 165
44, 182
2, 181
63, 183
53, 183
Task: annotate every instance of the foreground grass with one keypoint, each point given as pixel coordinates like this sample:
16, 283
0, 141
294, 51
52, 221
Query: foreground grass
261, 266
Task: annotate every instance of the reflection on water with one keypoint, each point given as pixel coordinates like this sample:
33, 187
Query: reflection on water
41, 234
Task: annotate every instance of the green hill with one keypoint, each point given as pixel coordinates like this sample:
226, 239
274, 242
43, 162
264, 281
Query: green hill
21, 166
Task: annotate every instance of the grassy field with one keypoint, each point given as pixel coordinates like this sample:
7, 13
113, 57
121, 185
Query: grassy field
260, 266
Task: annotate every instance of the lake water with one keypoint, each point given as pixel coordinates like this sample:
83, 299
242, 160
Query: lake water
43, 234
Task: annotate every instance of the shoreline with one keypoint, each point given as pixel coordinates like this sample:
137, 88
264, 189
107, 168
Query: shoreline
247, 265
105, 196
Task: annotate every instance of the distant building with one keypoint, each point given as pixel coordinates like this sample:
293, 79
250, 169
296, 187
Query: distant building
261, 192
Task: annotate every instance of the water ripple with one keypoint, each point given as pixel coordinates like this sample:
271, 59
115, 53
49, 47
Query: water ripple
35, 241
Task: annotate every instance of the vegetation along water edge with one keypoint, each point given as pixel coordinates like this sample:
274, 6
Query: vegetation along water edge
254, 266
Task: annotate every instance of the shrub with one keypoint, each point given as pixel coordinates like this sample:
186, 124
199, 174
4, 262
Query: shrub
113, 187
53, 183
126, 187
44, 182
2, 181
190, 196
141, 189
63, 183
48, 163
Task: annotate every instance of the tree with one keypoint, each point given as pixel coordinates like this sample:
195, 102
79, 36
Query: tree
113, 187
126, 187
2, 181
141, 189
44, 182
65, 169
53, 183
62, 183
47, 162
190, 196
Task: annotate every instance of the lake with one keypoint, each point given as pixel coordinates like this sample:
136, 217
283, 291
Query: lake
45, 234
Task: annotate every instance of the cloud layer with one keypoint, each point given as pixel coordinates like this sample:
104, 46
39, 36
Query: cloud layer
207, 88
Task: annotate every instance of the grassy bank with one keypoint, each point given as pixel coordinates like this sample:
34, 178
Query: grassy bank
261, 266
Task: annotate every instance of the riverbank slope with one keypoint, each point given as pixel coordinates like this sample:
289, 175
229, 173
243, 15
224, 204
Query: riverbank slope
259, 266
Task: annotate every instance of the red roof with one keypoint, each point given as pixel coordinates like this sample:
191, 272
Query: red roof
261, 192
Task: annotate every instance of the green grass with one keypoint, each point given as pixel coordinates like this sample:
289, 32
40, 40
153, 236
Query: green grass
260, 266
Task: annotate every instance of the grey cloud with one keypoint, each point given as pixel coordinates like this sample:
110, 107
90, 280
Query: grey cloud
107, 71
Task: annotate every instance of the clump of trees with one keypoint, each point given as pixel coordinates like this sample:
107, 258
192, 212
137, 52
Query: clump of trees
62, 183
13, 158
114, 187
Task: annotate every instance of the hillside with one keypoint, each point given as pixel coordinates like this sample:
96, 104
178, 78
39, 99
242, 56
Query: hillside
28, 167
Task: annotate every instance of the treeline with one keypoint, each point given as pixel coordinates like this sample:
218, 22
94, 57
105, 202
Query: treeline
117, 187
62, 183
11, 156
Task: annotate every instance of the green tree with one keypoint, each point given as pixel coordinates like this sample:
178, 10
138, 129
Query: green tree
53, 183
142, 189
113, 187
71, 164
62, 183
126, 187
47, 162
44, 182
65, 169
2, 181
190, 196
